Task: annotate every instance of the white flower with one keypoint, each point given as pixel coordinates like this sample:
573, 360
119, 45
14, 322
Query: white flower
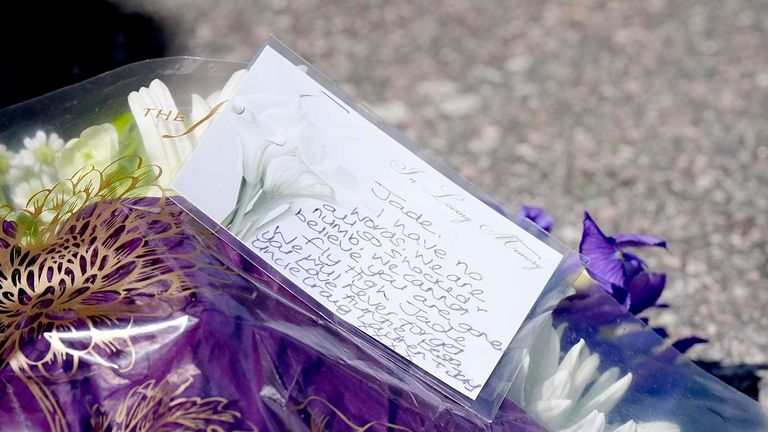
157, 114
39, 154
23, 190
6, 160
201, 107
149, 106
595, 422
569, 395
97, 146
34, 167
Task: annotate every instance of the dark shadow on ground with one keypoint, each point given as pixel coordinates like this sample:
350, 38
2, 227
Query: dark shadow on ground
742, 377
47, 45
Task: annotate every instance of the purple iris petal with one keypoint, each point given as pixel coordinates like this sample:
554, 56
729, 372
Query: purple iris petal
604, 260
539, 216
685, 344
645, 289
621, 295
633, 266
638, 240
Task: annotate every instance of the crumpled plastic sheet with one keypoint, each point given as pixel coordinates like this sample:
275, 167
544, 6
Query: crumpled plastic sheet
134, 317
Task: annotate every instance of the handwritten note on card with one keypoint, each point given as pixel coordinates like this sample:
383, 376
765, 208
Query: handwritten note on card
366, 228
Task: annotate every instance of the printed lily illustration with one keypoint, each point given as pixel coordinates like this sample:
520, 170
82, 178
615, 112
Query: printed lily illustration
163, 135
571, 395
287, 178
283, 160
262, 136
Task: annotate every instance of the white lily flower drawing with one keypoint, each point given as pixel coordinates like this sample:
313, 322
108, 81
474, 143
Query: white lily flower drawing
570, 395
155, 112
284, 160
287, 178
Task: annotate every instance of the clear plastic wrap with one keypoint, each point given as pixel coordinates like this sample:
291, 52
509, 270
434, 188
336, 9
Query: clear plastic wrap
287, 93
119, 311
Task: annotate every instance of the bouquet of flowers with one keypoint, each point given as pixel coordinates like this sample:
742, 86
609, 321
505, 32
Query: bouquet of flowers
121, 312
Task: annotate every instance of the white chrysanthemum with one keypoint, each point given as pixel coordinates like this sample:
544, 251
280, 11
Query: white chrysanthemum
202, 106
595, 422
155, 113
39, 154
570, 395
97, 146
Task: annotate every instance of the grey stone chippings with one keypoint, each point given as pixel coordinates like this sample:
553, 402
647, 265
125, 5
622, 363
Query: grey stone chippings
652, 115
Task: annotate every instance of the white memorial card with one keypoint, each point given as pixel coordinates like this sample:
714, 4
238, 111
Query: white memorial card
365, 227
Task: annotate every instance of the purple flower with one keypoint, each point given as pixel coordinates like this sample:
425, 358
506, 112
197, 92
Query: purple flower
539, 216
624, 275
619, 272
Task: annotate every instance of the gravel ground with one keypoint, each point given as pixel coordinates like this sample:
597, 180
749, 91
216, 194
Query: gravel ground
651, 115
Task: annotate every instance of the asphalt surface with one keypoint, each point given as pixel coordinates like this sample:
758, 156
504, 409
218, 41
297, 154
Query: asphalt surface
651, 115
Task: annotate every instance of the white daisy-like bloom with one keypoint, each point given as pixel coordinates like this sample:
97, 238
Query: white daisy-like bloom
34, 167
570, 394
162, 126
24, 189
39, 154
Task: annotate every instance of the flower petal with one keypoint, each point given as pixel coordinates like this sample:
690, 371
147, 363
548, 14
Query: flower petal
594, 422
621, 295
645, 290
571, 359
547, 411
633, 265
659, 426
629, 426
638, 240
584, 375
556, 387
604, 262
605, 400
545, 355
539, 216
